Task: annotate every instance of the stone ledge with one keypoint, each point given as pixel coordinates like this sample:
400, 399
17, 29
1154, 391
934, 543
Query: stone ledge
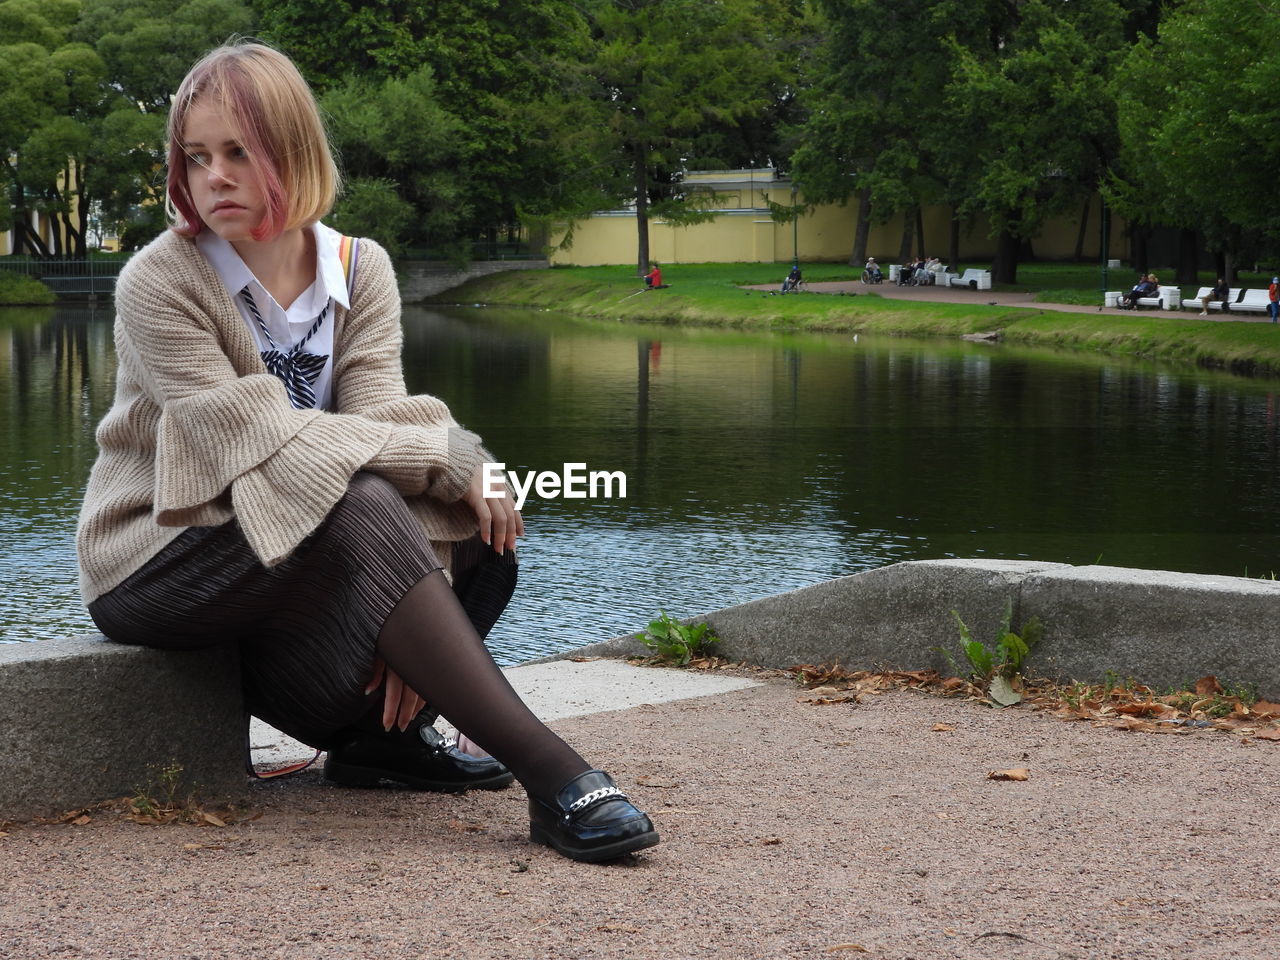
1160, 627
82, 720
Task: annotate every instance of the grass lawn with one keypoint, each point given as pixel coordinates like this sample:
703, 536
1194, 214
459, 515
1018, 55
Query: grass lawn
711, 294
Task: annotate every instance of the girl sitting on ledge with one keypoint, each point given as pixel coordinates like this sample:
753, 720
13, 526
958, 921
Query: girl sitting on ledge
264, 479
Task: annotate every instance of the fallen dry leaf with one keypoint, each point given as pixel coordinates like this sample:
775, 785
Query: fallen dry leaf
771, 841
1208, 686
81, 820
1265, 708
1146, 708
1270, 734
824, 701
1017, 773
941, 728
1132, 723
212, 819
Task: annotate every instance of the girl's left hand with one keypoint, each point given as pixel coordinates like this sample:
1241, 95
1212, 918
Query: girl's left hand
401, 704
500, 522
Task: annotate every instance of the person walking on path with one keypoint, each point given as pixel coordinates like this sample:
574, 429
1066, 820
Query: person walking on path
1273, 307
265, 480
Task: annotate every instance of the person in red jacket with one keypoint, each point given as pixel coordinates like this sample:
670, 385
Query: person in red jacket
1274, 306
653, 279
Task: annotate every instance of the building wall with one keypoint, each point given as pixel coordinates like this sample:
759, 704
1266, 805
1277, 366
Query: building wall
743, 231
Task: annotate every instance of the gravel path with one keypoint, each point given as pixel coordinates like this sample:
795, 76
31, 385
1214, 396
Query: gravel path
789, 830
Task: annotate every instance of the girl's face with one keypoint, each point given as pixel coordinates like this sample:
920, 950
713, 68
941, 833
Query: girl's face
225, 186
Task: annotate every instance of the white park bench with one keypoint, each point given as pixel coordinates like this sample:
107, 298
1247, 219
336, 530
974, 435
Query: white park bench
1253, 301
1194, 303
971, 278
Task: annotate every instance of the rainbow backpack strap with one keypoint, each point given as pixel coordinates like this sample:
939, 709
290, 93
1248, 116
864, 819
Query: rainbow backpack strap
349, 254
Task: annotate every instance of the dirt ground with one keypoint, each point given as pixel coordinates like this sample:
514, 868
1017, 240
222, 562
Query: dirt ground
789, 829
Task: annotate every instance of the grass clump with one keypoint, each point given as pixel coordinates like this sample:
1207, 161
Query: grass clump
678, 643
19, 290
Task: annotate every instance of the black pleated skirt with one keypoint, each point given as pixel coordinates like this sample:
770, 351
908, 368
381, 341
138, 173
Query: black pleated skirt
307, 628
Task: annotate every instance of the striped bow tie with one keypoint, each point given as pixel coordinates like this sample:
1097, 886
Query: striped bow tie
298, 370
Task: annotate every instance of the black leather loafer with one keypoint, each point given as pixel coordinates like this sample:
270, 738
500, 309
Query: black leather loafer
422, 758
591, 820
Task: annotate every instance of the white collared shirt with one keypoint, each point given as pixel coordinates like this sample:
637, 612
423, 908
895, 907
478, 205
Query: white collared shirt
287, 326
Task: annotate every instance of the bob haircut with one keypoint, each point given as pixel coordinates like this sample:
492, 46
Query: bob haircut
270, 108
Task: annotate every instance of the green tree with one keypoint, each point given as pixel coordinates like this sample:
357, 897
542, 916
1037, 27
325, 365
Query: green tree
663, 72
149, 45
50, 93
1034, 109
876, 111
1200, 124
497, 140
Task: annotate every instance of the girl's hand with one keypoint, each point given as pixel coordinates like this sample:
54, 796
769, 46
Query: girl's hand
401, 703
500, 522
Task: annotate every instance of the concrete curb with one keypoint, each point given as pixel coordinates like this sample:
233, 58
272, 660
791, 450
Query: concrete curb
82, 719
1160, 627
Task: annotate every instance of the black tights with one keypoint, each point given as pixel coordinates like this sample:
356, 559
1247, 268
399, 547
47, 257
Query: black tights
432, 644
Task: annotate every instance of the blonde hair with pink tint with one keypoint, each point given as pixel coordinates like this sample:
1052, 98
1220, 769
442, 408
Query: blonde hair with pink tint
273, 113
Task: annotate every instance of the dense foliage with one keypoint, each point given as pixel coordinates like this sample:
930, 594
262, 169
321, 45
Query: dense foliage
460, 121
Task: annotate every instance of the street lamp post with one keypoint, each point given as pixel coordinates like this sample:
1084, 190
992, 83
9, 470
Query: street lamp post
795, 229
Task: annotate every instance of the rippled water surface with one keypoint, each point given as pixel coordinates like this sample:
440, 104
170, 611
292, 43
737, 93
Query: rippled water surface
754, 463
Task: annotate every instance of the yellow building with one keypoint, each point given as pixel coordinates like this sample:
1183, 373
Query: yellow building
744, 231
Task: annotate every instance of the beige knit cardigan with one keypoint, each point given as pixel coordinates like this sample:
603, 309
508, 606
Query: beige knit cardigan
200, 433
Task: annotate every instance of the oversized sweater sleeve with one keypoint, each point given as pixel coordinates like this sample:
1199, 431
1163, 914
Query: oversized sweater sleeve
225, 431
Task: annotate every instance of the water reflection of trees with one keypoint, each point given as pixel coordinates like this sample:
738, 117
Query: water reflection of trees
56, 381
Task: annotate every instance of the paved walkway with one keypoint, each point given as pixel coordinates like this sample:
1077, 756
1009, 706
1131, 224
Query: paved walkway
891, 291
790, 828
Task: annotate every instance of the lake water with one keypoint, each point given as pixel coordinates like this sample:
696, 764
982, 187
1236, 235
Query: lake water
754, 463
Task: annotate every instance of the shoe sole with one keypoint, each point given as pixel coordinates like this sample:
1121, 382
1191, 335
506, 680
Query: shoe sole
609, 851
350, 776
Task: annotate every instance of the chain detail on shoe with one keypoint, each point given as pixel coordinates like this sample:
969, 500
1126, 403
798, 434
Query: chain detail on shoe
594, 797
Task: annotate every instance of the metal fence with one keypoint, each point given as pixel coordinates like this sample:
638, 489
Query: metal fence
92, 276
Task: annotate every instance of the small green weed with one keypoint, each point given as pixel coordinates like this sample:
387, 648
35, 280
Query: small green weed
158, 800
999, 668
676, 642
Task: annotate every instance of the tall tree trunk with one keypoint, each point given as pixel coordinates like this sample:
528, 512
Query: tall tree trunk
1188, 257
1005, 267
920, 244
862, 230
1220, 264
28, 237
953, 247
1084, 226
1229, 268
908, 234
642, 211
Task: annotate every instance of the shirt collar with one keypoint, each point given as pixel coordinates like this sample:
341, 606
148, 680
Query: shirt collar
223, 258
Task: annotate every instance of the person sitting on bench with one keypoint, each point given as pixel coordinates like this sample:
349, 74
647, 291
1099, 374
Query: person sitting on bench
1220, 292
1145, 287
